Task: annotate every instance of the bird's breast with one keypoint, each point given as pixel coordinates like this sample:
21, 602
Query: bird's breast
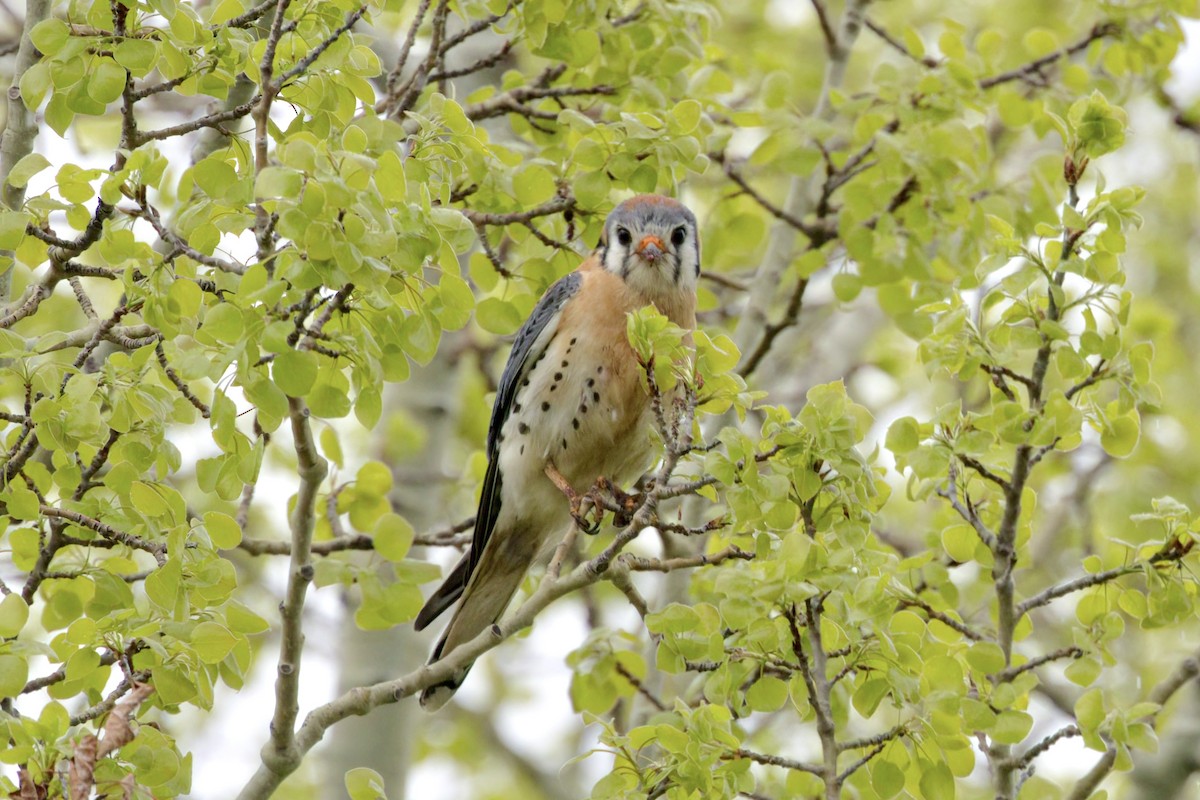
582, 408
582, 405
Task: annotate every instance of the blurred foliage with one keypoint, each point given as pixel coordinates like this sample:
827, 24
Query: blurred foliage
975, 546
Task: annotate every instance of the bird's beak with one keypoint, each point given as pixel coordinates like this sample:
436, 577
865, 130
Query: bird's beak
650, 248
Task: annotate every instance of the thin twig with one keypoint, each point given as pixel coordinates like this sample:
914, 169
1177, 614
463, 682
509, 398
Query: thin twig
1100, 31
1063, 652
896, 44
945, 619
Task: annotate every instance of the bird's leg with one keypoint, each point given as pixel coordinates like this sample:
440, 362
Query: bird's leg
574, 498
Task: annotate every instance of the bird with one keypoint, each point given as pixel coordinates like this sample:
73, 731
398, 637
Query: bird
570, 409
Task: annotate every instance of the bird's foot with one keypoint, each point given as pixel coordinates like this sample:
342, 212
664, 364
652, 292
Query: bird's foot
576, 500
623, 504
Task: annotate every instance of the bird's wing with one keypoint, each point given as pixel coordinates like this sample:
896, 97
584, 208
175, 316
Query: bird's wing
530, 344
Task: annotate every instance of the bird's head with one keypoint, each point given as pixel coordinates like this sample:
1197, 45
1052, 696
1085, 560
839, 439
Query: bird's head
653, 243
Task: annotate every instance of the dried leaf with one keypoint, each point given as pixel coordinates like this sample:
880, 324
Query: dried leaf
129, 785
29, 790
83, 766
117, 729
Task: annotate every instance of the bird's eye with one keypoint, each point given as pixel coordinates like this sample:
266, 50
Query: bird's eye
678, 236
624, 236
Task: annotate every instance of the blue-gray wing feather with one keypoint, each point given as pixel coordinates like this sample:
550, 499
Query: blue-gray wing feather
526, 350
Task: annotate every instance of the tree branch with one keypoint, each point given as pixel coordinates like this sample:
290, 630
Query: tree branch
156, 549
778, 761
1170, 552
1025, 72
799, 200
20, 129
281, 755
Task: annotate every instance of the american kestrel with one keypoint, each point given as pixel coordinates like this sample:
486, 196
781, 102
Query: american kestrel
570, 398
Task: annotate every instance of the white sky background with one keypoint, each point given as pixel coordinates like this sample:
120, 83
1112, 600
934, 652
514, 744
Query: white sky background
226, 743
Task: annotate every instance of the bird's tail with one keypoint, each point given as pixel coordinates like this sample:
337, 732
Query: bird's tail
487, 594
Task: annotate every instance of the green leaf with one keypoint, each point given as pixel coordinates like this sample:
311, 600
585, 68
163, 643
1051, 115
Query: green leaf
22, 503
1084, 671
14, 613
147, 499
58, 114
1011, 726
278, 182
328, 398
106, 81
846, 286
365, 784
937, 781
960, 542
1120, 436
50, 35
533, 185
14, 673
1099, 125
987, 657
686, 115
904, 435
393, 537
222, 529
374, 479
869, 695
498, 316
214, 176
886, 778
1039, 42
767, 694
224, 322
592, 188
163, 585
172, 685
136, 55
213, 642
12, 231
35, 82
368, 406
295, 371
26, 168
331, 446
242, 620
